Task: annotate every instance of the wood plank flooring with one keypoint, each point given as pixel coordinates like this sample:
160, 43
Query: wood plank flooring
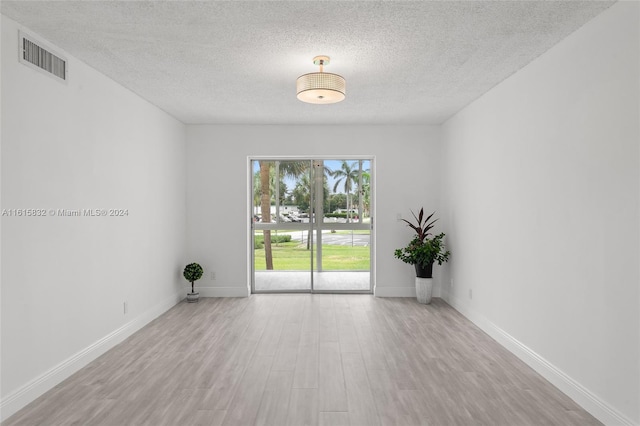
304, 359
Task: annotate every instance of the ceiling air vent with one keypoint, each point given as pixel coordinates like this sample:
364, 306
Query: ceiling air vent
35, 55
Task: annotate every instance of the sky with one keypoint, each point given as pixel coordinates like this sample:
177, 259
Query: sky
331, 164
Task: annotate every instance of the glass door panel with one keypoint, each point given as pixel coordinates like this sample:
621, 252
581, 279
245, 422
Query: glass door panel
282, 255
344, 258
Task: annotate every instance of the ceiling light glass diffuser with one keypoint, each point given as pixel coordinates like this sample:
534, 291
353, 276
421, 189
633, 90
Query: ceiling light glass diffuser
321, 87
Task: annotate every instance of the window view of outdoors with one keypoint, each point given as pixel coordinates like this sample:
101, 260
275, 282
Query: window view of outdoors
290, 192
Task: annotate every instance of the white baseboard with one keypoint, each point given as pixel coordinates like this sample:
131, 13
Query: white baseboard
381, 291
581, 395
405, 291
32, 390
222, 291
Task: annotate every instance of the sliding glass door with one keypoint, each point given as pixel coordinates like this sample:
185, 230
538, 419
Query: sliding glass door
311, 225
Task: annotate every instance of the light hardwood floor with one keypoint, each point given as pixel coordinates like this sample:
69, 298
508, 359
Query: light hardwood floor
306, 360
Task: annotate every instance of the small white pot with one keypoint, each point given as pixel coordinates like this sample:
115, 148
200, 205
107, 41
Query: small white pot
424, 287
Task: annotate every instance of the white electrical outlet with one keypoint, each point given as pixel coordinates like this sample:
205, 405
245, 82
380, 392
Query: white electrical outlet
126, 307
470, 294
213, 276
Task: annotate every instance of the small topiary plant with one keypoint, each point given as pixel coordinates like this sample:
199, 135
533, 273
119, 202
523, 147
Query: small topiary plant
192, 272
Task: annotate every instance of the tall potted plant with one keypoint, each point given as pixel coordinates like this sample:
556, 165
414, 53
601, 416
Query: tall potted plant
192, 272
422, 251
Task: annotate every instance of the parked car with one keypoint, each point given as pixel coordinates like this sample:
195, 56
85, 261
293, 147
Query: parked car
284, 219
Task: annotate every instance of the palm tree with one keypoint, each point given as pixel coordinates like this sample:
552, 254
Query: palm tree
365, 192
347, 174
265, 205
302, 194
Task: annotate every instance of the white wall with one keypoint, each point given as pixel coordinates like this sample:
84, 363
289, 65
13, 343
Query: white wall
542, 183
407, 177
88, 144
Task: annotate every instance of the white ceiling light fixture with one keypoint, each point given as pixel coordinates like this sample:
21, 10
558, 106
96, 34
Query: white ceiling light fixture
321, 87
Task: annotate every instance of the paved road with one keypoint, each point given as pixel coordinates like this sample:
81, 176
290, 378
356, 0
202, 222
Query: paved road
335, 239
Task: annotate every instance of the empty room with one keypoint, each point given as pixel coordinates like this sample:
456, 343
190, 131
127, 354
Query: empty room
320, 213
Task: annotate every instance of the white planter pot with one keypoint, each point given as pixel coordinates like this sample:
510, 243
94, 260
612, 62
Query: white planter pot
424, 287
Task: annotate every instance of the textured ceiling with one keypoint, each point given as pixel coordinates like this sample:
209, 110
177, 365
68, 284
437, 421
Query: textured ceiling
237, 62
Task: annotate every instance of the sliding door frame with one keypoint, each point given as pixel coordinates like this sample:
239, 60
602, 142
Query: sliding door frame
314, 226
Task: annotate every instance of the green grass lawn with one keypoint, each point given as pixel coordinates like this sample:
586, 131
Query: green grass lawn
294, 256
